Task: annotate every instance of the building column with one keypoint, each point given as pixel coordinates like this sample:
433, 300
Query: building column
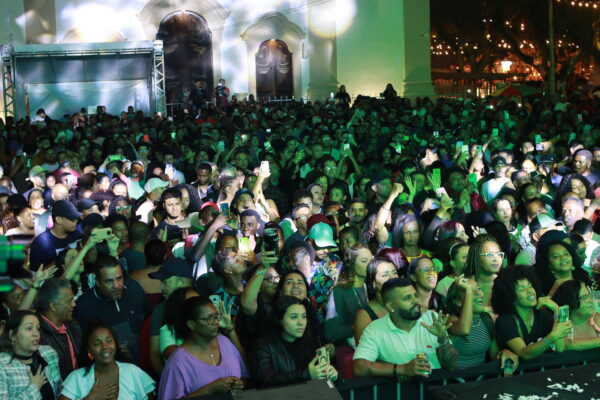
322, 49
417, 49
386, 42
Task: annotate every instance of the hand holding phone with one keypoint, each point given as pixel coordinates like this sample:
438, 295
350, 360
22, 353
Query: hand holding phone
323, 356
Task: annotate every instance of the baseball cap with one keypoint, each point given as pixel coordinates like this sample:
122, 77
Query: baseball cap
36, 170
172, 267
154, 183
543, 221
240, 193
92, 220
209, 204
85, 204
315, 219
322, 234
66, 209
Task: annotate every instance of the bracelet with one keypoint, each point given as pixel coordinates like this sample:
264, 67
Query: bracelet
549, 343
261, 273
385, 208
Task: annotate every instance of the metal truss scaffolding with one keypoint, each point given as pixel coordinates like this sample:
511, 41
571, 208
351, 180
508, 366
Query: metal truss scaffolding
8, 86
117, 73
160, 103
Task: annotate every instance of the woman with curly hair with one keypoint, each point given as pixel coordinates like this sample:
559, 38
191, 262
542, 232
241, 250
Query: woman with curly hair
523, 318
557, 262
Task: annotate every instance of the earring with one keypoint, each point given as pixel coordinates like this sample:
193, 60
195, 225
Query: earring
90, 356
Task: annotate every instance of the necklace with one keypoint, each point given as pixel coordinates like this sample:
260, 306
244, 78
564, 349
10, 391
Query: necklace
212, 358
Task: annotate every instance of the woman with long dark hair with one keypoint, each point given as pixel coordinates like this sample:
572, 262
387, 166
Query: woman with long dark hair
379, 271
105, 375
28, 370
284, 356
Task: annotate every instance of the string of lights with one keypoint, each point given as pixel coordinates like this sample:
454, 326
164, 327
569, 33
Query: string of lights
581, 4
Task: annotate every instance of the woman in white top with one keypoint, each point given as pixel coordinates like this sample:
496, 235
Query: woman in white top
104, 376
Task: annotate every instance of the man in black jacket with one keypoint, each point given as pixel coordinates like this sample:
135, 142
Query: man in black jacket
59, 330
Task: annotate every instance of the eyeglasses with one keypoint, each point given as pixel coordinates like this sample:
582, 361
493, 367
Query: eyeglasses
273, 278
122, 208
211, 319
491, 255
301, 217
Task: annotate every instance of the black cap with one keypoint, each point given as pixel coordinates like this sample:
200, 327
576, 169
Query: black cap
64, 208
85, 204
173, 267
92, 219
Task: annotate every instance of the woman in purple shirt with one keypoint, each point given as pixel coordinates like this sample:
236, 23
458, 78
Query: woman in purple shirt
207, 362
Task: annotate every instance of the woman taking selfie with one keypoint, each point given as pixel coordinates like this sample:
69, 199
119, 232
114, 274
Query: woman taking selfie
28, 371
103, 377
284, 355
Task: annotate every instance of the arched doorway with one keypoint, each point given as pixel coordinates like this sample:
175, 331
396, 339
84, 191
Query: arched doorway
187, 43
274, 70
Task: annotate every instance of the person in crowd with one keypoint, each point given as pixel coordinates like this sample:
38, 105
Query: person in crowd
105, 374
379, 271
173, 273
393, 345
206, 362
283, 355
557, 262
55, 304
422, 273
28, 370
118, 302
523, 318
484, 261
578, 297
457, 257
64, 233
349, 295
168, 339
472, 328
257, 299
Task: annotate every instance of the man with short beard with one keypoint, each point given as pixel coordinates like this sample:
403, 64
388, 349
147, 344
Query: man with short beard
171, 203
582, 164
391, 346
117, 302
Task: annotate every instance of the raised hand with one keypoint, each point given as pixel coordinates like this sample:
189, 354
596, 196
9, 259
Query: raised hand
226, 322
43, 274
439, 326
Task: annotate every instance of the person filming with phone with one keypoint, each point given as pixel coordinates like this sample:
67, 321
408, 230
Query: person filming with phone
287, 354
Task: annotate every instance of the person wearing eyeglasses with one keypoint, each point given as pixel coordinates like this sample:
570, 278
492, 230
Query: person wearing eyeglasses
257, 299
206, 362
526, 325
424, 277
484, 261
586, 322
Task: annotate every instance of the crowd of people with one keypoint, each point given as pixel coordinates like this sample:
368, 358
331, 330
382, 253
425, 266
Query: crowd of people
261, 244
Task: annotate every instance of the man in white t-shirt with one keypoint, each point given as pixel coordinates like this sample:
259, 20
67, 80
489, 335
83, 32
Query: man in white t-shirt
405, 342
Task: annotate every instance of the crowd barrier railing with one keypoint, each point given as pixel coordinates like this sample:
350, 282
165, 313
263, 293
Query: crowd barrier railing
416, 388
